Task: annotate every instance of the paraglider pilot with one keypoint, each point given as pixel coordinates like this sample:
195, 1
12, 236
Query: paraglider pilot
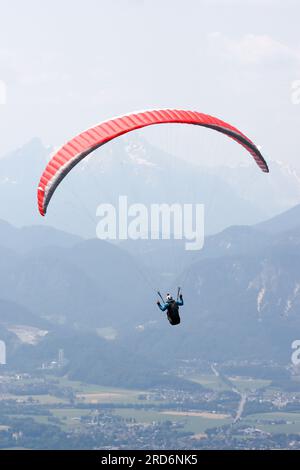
171, 306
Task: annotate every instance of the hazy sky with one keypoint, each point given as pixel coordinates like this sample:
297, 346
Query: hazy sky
68, 64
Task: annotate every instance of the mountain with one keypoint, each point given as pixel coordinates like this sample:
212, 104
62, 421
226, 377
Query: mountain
24, 239
63, 280
242, 301
272, 193
281, 230
242, 294
145, 174
19, 172
283, 222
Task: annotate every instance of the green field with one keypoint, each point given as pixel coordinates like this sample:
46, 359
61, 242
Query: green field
41, 419
41, 399
69, 417
194, 424
96, 394
244, 384
101, 394
210, 381
292, 419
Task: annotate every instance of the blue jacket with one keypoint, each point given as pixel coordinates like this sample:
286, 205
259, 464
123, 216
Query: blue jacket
165, 306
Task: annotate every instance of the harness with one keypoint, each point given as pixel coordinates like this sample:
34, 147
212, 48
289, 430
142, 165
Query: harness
173, 313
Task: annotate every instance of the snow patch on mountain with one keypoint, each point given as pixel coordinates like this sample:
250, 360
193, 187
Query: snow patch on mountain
28, 334
290, 302
260, 299
137, 154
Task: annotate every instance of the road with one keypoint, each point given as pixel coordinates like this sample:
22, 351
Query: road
243, 395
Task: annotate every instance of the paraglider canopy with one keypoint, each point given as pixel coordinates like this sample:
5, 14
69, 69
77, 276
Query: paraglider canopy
80, 146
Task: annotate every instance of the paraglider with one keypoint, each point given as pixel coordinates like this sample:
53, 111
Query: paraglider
83, 144
171, 306
70, 154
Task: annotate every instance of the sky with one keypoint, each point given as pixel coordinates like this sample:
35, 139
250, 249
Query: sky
68, 64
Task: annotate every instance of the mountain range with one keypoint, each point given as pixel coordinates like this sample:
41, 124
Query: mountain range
242, 300
60, 287
145, 174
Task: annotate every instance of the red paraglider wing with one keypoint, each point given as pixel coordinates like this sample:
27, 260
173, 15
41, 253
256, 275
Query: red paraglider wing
80, 146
